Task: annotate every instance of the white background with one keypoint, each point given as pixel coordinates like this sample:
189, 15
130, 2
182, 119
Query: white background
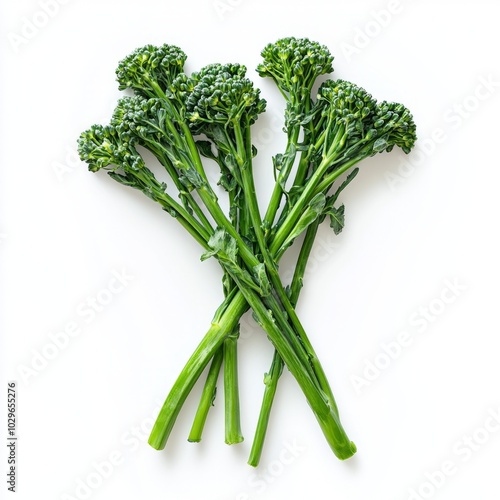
415, 227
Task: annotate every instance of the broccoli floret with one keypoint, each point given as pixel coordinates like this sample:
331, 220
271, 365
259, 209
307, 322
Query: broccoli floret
395, 126
349, 122
180, 89
343, 119
295, 64
223, 95
136, 119
102, 147
222, 105
150, 70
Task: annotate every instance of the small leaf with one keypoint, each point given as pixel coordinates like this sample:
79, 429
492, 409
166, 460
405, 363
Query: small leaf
307, 119
205, 148
231, 163
332, 199
228, 182
194, 178
314, 210
337, 219
124, 179
278, 162
294, 194
206, 255
262, 279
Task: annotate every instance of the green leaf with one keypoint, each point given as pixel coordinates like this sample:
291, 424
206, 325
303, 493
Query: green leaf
124, 179
337, 219
205, 148
190, 177
206, 255
228, 182
223, 245
330, 201
261, 276
278, 162
171, 211
313, 210
231, 163
294, 194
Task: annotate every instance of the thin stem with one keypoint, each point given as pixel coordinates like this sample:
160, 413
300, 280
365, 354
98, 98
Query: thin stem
272, 377
193, 369
328, 419
271, 383
167, 164
277, 193
231, 392
207, 398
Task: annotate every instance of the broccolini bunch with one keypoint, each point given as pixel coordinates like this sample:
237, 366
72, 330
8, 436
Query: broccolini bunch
186, 120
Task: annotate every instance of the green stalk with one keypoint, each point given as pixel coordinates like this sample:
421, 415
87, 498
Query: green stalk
192, 225
330, 178
272, 377
235, 307
228, 353
300, 368
254, 213
295, 357
328, 420
271, 383
293, 216
305, 344
233, 433
207, 398
167, 164
277, 193
231, 393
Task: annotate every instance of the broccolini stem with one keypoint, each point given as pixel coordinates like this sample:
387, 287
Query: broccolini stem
167, 164
251, 200
296, 211
271, 383
194, 367
330, 178
193, 226
207, 397
272, 377
304, 345
277, 193
329, 421
226, 353
231, 392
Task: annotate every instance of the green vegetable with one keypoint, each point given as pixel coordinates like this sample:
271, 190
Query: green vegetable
188, 120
